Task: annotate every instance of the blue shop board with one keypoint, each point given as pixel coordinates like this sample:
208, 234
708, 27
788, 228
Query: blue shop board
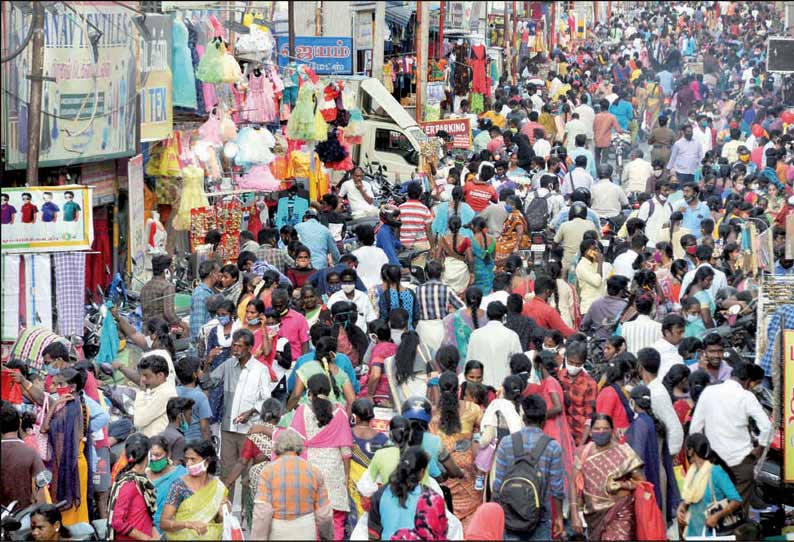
325, 55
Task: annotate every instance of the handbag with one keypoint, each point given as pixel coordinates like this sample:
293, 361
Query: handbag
484, 459
650, 524
728, 523
42, 439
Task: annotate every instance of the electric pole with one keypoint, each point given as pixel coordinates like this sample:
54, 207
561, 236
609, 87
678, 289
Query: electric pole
422, 47
36, 78
378, 38
291, 23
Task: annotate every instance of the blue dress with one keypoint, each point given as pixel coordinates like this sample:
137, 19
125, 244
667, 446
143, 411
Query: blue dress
483, 266
183, 80
440, 225
724, 489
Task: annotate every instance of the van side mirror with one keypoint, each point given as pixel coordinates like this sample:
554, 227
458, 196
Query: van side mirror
385, 168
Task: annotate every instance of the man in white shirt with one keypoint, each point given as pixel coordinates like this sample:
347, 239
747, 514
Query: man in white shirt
366, 313
673, 328
636, 173
493, 345
702, 133
723, 413
542, 147
500, 291
661, 403
573, 128
624, 263
150, 417
537, 99
359, 195
587, 116
577, 177
642, 332
656, 213
703, 254
370, 258
246, 384
608, 198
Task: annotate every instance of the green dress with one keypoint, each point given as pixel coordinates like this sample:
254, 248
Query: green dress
483, 265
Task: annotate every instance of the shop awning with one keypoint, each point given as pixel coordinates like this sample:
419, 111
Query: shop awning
399, 14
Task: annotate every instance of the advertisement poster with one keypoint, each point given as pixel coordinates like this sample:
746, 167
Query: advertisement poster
156, 81
89, 110
459, 129
326, 56
47, 219
788, 404
137, 238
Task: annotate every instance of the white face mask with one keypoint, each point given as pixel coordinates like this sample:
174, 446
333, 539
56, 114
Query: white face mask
396, 336
348, 288
574, 370
149, 341
657, 172
662, 198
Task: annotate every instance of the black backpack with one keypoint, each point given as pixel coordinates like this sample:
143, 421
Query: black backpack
523, 491
538, 213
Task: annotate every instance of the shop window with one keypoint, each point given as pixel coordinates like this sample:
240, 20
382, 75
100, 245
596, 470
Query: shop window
395, 142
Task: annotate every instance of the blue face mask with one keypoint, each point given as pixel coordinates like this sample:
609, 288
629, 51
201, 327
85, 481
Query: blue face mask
509, 208
224, 320
333, 288
52, 371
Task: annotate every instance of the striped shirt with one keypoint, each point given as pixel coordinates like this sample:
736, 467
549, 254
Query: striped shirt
293, 487
434, 298
640, 333
416, 218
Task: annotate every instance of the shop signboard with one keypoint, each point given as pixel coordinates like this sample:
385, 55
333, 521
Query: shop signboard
89, 109
459, 129
325, 55
155, 80
788, 404
137, 237
47, 219
102, 177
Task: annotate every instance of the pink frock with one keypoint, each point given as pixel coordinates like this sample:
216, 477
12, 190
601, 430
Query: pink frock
260, 104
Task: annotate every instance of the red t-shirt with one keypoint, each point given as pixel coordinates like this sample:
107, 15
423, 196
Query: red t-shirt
478, 196
29, 212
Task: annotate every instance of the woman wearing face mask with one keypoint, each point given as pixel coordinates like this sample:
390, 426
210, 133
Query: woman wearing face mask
253, 320
250, 284
219, 343
699, 288
606, 473
276, 354
707, 481
690, 308
730, 261
194, 507
133, 502
162, 472
613, 399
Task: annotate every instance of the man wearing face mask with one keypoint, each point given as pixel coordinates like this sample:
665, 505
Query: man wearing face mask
686, 156
294, 326
656, 213
580, 390
150, 404
157, 295
712, 362
179, 411
601, 317
366, 313
723, 413
694, 211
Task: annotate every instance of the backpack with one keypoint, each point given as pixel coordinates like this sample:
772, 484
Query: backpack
538, 212
523, 492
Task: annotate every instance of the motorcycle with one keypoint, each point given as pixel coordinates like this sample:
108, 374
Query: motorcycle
619, 150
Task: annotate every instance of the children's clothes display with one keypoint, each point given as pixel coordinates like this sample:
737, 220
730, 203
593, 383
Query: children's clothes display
301, 124
184, 79
192, 196
210, 131
210, 68
260, 178
254, 146
260, 104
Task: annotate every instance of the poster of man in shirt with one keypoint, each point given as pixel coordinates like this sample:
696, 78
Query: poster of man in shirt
53, 219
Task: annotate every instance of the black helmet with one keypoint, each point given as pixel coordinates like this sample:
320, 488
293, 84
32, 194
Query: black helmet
485, 124
605, 171
581, 194
578, 210
417, 408
390, 214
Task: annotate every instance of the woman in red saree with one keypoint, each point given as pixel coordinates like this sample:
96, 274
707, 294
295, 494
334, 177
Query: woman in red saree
605, 473
556, 425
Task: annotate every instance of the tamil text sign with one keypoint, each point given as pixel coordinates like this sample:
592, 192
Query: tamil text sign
155, 84
137, 236
326, 56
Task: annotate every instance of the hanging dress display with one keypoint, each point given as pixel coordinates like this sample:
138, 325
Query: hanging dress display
301, 125
184, 80
254, 146
192, 197
210, 68
260, 105
461, 76
478, 61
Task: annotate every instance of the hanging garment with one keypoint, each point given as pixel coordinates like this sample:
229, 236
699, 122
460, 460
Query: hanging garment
211, 65
478, 61
462, 74
192, 37
97, 272
260, 105
184, 79
210, 131
12, 285
192, 197
38, 290
254, 146
259, 178
301, 124
70, 289
238, 92
109, 339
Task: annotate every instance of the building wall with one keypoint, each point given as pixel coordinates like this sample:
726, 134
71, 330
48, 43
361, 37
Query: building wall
337, 19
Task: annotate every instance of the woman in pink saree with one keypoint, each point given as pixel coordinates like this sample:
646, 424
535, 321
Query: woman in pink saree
556, 425
328, 442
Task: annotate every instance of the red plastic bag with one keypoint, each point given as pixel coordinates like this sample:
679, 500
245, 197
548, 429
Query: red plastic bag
648, 515
9, 390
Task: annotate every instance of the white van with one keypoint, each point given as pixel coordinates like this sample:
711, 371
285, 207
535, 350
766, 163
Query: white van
392, 136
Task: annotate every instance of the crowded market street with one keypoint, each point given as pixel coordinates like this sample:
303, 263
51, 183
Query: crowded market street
389, 270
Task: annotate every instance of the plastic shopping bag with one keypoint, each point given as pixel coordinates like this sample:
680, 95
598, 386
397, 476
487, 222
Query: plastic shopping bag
231, 526
650, 524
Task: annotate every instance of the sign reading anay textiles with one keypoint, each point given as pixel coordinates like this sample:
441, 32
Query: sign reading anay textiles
326, 56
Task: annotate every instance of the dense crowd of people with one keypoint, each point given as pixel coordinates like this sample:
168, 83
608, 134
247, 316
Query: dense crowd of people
495, 397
